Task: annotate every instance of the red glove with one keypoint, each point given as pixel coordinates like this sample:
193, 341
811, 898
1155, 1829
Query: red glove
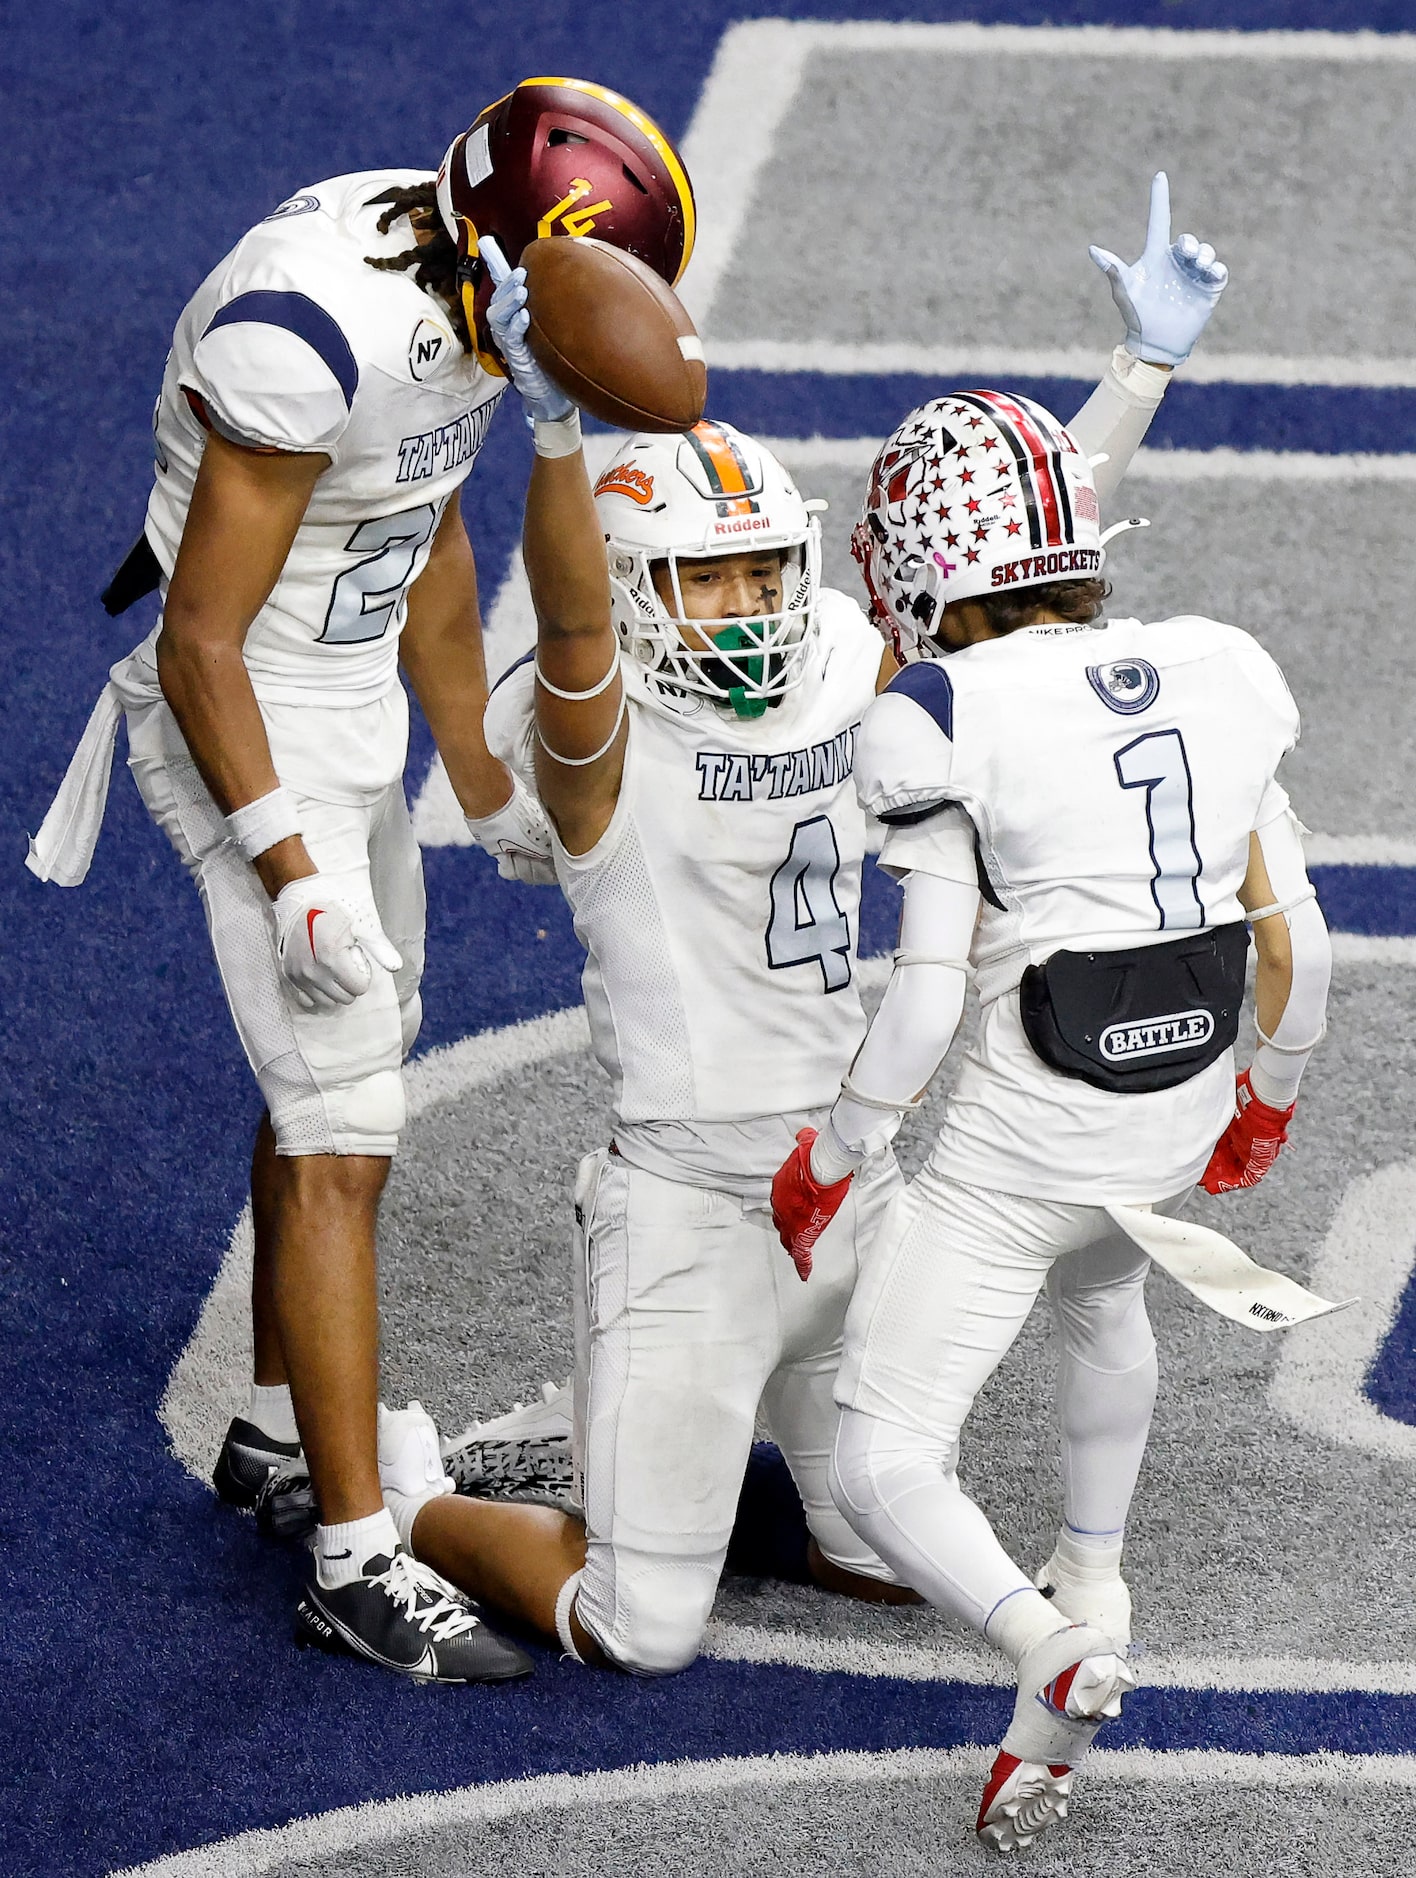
802, 1208
1249, 1146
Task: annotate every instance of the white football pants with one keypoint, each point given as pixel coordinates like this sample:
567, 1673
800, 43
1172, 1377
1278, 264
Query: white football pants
689, 1318
947, 1285
332, 1080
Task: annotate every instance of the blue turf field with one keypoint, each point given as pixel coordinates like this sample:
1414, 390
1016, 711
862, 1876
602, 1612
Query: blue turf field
153, 1703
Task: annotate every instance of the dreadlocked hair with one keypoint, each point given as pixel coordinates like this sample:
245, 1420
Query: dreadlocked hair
1076, 601
433, 263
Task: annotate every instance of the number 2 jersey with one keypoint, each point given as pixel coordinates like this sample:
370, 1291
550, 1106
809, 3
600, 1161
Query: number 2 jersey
719, 909
1100, 783
295, 343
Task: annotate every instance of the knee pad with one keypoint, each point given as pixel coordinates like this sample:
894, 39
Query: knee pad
659, 1615
873, 1461
367, 1115
364, 1116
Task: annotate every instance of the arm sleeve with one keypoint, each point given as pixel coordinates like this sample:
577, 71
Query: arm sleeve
1279, 1061
1116, 417
274, 371
910, 1034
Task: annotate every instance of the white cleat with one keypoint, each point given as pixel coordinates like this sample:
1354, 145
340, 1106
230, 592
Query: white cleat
409, 1461
1068, 1685
527, 1450
1022, 1799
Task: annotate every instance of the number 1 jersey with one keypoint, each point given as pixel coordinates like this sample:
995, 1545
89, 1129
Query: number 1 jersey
719, 909
1100, 782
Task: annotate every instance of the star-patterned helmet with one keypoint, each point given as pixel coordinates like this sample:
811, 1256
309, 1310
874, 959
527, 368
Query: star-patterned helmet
974, 493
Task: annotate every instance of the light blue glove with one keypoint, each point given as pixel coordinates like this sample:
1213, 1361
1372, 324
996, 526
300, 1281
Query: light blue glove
508, 319
1166, 297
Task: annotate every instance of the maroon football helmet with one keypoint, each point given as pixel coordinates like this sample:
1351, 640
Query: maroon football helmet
562, 156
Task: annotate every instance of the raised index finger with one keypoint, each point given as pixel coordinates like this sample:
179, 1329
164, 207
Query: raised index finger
1158, 227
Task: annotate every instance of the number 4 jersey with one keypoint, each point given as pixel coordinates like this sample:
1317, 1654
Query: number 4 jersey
719, 908
1100, 782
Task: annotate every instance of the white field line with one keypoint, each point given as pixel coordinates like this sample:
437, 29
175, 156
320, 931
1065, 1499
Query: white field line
754, 83
847, 358
353, 1829
977, 1664
1318, 1382
1178, 466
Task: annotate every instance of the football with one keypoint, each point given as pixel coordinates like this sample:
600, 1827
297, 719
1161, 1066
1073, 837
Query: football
613, 335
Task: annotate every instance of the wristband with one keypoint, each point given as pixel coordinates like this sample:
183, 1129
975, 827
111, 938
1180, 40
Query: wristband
1140, 382
260, 824
558, 436
830, 1158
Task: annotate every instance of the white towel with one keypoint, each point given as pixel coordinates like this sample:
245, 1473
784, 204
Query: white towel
63, 848
1219, 1274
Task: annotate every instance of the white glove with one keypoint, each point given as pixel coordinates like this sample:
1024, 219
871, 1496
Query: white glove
326, 948
508, 319
518, 836
1166, 297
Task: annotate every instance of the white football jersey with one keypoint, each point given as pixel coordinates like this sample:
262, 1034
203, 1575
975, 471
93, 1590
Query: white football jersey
293, 342
1104, 780
719, 909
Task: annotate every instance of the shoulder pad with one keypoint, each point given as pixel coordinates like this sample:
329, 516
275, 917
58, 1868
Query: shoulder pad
906, 752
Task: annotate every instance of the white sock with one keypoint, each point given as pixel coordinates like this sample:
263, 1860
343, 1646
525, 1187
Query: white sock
342, 1552
272, 1411
1093, 1551
1021, 1622
404, 1508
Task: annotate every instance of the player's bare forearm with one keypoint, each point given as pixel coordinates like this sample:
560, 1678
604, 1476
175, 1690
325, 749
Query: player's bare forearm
441, 652
576, 650
246, 508
564, 550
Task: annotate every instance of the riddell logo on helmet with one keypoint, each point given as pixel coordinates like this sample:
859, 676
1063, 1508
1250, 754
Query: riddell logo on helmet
1037, 566
627, 479
743, 525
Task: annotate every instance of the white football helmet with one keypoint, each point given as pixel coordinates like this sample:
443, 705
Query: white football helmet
975, 492
710, 491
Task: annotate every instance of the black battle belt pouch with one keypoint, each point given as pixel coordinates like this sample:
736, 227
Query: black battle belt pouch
1147, 1018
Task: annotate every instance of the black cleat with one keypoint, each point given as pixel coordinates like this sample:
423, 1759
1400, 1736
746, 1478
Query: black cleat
285, 1505
246, 1461
402, 1615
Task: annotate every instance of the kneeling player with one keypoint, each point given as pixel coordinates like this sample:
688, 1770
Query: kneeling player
1083, 813
690, 719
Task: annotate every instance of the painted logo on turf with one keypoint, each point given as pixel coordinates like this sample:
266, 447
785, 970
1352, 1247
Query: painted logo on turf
627, 479
1125, 685
1154, 1036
